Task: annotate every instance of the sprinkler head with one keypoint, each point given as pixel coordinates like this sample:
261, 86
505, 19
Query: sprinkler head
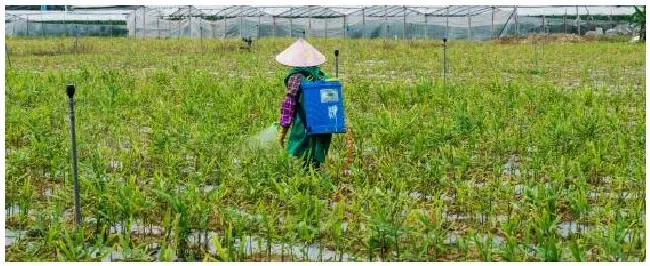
336, 52
69, 88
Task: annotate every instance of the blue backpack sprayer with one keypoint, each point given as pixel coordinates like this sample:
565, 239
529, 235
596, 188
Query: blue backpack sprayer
324, 110
323, 105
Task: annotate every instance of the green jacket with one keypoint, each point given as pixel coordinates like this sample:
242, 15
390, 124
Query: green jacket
310, 148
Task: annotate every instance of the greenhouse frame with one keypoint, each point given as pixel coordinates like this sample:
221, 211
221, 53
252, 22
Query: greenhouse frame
384, 21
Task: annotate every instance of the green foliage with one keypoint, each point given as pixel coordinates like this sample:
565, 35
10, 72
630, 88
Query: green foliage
502, 162
638, 20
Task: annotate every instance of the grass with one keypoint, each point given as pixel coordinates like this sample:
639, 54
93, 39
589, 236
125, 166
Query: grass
525, 153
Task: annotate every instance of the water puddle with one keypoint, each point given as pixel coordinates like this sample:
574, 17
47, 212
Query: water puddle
568, 228
452, 238
126, 145
138, 229
13, 236
447, 199
146, 130
47, 192
482, 218
256, 244
604, 195
418, 195
204, 189
13, 210
497, 241
511, 167
519, 189
114, 165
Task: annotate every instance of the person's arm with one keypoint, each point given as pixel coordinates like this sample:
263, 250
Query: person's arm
288, 108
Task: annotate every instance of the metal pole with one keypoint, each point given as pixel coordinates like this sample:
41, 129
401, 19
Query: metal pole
144, 20
385, 22
336, 63
363, 22
214, 29
447, 28
564, 21
158, 26
426, 27
517, 21
189, 20
544, 23
444, 47
404, 23
611, 24
492, 26
273, 18
70, 89
290, 22
326, 27
87, 26
259, 22
65, 22
42, 25
309, 21
225, 26
345, 28
589, 17
578, 19
135, 25
469, 26
241, 20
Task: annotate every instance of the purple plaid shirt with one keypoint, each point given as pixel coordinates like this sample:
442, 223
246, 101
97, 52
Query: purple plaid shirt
289, 103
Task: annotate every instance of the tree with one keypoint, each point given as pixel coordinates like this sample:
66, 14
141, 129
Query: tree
638, 20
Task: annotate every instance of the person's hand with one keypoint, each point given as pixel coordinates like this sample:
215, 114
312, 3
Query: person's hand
283, 133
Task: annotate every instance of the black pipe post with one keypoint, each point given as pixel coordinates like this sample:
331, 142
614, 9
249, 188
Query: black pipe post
70, 88
444, 47
336, 63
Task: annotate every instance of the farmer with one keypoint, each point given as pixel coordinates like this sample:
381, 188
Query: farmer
304, 61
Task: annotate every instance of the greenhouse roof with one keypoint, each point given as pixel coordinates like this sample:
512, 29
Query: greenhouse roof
571, 10
103, 7
206, 10
104, 15
310, 11
187, 11
224, 11
386, 11
63, 16
235, 11
459, 11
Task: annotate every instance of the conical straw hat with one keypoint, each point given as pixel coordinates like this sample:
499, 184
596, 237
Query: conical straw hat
300, 54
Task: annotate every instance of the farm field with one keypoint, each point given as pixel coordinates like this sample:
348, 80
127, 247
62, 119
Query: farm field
529, 150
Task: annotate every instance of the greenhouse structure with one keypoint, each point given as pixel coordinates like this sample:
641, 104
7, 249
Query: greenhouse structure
387, 22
